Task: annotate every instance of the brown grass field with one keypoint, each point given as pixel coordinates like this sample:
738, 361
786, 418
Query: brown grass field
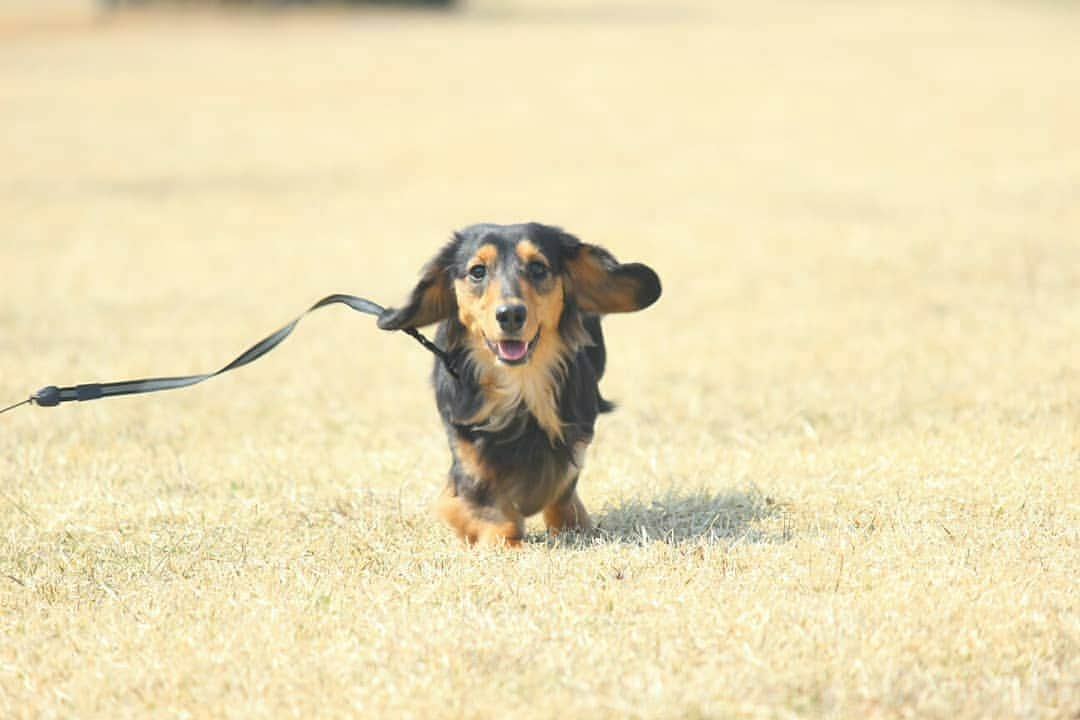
844, 478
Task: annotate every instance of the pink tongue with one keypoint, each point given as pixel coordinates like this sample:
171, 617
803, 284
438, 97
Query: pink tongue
511, 349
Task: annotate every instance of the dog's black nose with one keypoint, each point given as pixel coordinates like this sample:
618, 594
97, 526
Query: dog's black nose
511, 316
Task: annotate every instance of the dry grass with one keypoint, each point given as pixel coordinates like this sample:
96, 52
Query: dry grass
843, 480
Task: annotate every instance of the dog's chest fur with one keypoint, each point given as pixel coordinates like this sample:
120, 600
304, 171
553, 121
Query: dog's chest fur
518, 440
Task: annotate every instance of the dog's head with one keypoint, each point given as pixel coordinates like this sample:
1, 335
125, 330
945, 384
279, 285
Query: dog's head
513, 289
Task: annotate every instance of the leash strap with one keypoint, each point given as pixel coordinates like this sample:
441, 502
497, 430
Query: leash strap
52, 395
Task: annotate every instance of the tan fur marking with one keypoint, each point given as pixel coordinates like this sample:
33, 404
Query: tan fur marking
469, 456
477, 313
473, 309
474, 525
570, 514
599, 290
527, 251
545, 309
434, 306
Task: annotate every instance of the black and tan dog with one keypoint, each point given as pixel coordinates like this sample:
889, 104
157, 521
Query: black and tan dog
519, 307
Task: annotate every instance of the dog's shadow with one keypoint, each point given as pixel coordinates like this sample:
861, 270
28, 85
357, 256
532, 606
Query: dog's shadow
698, 516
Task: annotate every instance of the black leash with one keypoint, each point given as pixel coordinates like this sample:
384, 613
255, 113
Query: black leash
52, 395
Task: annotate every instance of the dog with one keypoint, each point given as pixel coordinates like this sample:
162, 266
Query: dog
519, 310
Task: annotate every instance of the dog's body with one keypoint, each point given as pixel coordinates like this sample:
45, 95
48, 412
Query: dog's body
519, 309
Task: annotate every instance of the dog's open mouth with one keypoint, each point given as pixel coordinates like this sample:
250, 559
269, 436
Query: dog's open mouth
513, 352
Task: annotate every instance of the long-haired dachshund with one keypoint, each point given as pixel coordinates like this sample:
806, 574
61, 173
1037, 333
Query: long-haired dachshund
519, 309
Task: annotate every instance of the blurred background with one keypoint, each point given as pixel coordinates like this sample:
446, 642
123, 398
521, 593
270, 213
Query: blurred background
865, 192
862, 194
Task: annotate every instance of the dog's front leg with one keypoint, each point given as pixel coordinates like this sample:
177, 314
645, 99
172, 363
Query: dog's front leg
478, 523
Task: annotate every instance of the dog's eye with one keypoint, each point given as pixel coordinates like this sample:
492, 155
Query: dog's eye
477, 272
537, 270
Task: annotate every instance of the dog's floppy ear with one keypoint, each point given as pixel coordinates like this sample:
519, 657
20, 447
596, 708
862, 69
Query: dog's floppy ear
432, 299
601, 284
